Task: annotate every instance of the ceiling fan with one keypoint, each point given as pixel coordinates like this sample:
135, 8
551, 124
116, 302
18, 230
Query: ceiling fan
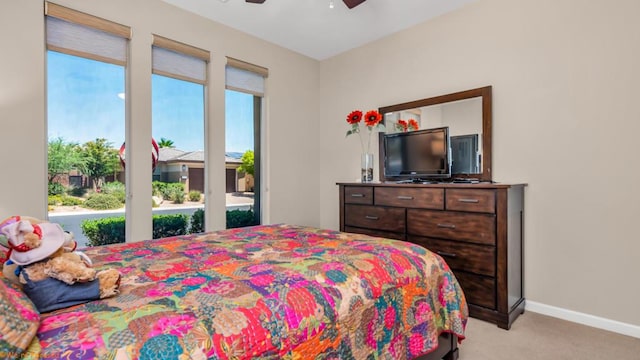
350, 3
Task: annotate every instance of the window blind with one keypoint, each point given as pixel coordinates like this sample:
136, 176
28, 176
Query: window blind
245, 77
178, 60
75, 33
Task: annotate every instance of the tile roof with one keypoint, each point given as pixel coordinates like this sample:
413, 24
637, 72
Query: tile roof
176, 155
167, 154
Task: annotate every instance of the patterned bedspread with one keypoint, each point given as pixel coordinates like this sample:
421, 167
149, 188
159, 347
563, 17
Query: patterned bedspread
265, 292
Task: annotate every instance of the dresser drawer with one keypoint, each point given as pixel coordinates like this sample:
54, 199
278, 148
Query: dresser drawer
375, 217
478, 290
372, 232
424, 198
473, 258
476, 228
474, 200
358, 195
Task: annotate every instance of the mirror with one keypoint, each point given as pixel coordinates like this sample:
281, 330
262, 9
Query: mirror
468, 116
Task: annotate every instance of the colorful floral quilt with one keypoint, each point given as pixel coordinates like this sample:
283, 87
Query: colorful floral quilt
264, 292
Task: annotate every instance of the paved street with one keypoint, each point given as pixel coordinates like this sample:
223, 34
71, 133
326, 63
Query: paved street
70, 221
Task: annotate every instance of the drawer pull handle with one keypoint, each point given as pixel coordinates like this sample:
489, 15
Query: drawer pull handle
403, 197
357, 195
369, 217
473, 201
447, 254
446, 226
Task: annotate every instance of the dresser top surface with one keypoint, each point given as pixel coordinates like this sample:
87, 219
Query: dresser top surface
480, 185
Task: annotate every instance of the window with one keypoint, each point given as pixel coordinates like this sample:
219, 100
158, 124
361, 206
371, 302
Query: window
178, 89
86, 63
243, 104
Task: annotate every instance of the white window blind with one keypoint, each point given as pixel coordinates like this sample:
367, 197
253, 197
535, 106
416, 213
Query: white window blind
76, 33
245, 77
180, 61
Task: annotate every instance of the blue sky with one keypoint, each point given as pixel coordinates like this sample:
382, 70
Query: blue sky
83, 104
239, 121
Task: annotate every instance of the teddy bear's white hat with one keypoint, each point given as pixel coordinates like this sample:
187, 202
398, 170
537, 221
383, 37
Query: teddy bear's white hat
51, 236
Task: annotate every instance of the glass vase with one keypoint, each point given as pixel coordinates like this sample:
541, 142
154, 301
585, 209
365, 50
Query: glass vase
366, 167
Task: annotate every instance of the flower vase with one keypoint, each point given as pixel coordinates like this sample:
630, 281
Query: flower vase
366, 167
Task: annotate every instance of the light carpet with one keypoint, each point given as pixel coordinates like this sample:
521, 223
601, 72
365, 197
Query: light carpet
538, 337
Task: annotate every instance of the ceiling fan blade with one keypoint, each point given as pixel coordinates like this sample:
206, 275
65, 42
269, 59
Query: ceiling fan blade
255, 1
353, 3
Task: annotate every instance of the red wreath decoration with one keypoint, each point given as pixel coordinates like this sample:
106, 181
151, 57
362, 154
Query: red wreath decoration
155, 154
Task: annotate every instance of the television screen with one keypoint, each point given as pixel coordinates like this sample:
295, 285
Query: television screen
417, 155
464, 154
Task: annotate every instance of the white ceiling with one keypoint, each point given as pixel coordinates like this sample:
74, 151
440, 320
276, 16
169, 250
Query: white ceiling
311, 28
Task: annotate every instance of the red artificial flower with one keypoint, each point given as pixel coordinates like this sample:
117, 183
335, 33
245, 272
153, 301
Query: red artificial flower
413, 124
402, 125
372, 121
372, 118
354, 117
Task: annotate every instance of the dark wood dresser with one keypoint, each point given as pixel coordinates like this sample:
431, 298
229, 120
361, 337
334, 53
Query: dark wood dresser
476, 228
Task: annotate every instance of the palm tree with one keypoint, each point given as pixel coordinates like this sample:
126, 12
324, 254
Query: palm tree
165, 143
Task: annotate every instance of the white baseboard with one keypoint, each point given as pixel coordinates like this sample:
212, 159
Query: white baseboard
584, 319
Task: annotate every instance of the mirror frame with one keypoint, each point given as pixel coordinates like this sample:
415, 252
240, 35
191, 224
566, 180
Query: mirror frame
484, 92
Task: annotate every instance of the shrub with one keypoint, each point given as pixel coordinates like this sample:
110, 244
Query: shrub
116, 189
195, 195
54, 200
197, 222
71, 201
102, 202
104, 231
111, 230
158, 188
76, 191
174, 186
167, 189
240, 218
235, 219
63, 200
56, 189
169, 225
176, 195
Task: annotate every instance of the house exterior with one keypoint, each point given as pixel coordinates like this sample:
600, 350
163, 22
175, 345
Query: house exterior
187, 167
176, 165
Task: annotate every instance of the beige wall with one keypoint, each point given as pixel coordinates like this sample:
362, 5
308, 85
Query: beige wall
292, 92
565, 78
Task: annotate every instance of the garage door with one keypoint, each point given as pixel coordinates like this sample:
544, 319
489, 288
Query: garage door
231, 180
196, 179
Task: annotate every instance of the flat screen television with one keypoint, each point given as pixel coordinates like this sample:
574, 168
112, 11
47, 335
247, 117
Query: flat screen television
417, 155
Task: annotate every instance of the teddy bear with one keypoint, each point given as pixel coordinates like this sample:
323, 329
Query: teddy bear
11, 270
54, 276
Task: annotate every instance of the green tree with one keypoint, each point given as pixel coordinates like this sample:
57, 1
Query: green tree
101, 160
165, 143
62, 157
247, 163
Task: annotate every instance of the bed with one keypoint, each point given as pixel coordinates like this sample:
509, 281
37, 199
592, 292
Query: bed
263, 292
